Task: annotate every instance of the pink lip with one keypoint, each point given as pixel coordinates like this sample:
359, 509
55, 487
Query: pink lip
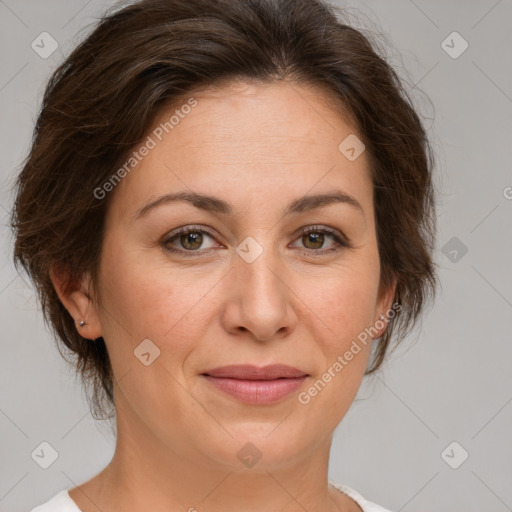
256, 385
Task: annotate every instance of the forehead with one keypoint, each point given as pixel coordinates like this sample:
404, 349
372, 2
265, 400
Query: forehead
261, 115
248, 138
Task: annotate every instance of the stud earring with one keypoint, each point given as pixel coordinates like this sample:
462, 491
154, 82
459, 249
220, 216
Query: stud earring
82, 323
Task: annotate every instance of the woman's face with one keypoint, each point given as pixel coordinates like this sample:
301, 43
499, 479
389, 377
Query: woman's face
245, 285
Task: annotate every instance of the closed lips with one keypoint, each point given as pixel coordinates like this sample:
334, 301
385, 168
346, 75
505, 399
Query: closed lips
251, 372
255, 385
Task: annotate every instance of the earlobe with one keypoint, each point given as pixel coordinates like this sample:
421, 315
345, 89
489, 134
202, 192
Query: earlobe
75, 293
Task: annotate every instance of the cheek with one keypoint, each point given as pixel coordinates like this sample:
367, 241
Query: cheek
344, 302
143, 300
342, 311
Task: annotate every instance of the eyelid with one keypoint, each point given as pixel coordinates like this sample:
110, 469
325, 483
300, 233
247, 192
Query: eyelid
340, 239
167, 238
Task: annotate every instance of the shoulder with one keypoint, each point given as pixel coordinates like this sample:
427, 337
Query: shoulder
61, 502
367, 506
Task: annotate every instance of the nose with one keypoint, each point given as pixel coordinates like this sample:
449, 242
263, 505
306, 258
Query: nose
259, 298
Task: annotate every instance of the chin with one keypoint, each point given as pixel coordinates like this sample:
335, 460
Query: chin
257, 447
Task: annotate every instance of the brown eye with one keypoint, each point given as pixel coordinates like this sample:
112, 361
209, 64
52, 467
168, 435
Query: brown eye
191, 240
188, 240
313, 240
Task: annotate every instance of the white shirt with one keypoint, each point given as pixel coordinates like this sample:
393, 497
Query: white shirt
62, 502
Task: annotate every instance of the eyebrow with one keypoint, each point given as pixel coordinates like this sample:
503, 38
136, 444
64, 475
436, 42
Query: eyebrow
216, 205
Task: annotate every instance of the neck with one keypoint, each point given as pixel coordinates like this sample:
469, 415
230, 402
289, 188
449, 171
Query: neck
146, 474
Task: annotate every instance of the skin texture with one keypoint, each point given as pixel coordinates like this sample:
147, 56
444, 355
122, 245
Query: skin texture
259, 147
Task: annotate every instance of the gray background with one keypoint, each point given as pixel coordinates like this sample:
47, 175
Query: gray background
450, 381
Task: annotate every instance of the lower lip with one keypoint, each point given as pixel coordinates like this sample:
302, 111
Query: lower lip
256, 391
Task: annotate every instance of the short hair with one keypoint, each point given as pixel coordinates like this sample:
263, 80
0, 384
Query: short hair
140, 59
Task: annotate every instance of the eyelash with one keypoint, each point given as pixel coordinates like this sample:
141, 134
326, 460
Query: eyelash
340, 242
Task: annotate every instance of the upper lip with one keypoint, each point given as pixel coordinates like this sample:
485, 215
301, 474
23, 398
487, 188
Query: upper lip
251, 372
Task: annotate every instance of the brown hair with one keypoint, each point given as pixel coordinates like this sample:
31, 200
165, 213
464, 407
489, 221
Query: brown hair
101, 102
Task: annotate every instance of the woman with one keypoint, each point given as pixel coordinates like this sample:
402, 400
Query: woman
228, 212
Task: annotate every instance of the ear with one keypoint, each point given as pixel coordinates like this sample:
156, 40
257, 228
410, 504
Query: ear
384, 303
76, 294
